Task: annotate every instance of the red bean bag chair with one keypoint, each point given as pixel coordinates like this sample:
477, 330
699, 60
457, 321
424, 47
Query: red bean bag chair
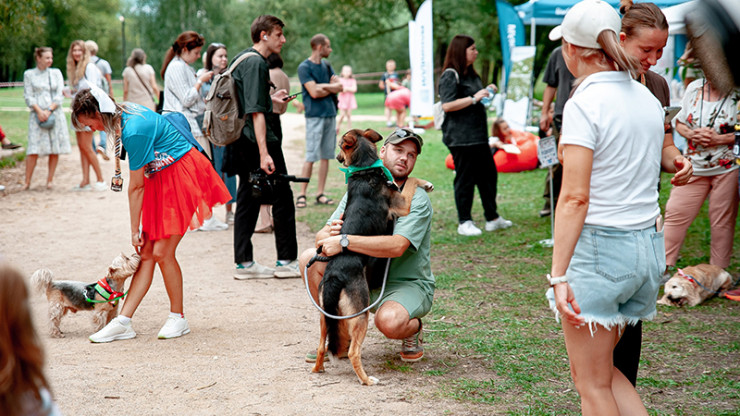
509, 162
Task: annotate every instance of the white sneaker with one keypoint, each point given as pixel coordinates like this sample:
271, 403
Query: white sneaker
213, 224
468, 228
173, 328
255, 271
498, 224
230, 217
287, 271
100, 186
114, 331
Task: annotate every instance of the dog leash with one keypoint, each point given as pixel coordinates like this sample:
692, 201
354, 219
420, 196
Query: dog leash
693, 280
318, 257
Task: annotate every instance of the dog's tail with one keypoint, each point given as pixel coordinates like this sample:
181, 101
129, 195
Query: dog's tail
41, 280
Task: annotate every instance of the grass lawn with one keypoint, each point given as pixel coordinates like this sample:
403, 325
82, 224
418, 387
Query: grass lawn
491, 339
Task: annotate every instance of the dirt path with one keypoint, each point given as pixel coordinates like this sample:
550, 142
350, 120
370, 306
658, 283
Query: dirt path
245, 353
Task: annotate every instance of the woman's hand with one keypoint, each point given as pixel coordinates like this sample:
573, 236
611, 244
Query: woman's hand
205, 76
137, 240
43, 115
480, 94
684, 171
563, 297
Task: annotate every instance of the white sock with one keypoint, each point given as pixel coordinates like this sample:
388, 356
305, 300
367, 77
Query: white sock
177, 315
283, 262
247, 264
124, 320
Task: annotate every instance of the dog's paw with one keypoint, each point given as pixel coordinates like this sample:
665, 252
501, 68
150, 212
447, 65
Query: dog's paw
370, 381
427, 186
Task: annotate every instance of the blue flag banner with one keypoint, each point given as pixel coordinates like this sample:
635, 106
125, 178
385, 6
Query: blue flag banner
511, 29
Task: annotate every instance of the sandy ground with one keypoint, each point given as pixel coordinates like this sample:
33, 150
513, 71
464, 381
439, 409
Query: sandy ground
245, 353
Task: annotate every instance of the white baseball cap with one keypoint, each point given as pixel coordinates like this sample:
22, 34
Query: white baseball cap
585, 21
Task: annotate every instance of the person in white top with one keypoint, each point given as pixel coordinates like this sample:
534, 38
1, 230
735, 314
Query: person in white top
81, 74
182, 94
608, 256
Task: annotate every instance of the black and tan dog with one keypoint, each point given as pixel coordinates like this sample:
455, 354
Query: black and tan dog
373, 202
72, 296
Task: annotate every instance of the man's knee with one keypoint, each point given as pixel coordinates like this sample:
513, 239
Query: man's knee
391, 318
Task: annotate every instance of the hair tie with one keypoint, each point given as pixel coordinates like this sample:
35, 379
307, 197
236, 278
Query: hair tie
105, 103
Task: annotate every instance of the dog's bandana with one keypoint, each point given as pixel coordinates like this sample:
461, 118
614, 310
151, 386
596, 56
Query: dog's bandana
103, 289
348, 171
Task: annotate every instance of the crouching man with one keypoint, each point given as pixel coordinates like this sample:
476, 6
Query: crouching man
409, 290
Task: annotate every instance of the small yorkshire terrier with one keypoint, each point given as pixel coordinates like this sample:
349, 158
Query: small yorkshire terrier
71, 296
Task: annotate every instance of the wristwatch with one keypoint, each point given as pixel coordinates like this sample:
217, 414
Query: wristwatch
344, 242
555, 280
474, 100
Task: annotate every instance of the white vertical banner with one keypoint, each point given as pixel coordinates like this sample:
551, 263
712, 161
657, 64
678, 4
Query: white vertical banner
422, 61
519, 87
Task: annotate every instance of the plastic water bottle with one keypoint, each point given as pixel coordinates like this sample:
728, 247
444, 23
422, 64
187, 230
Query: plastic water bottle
486, 101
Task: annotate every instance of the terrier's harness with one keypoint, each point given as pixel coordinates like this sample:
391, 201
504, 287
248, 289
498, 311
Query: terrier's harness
103, 289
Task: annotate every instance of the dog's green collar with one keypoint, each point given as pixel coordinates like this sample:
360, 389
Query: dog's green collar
348, 171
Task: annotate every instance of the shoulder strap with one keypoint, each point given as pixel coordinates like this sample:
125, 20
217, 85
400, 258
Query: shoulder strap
239, 60
142, 82
457, 77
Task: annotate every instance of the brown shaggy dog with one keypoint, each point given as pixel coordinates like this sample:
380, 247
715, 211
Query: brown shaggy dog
683, 289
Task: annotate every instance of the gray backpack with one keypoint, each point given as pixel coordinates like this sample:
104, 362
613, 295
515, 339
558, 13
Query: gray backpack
221, 121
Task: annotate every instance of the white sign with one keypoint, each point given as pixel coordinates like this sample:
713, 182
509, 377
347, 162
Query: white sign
422, 61
519, 87
547, 152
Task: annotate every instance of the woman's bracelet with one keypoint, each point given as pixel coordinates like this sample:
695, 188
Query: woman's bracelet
555, 280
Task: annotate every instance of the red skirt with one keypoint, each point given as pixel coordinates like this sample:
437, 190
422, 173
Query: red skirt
181, 196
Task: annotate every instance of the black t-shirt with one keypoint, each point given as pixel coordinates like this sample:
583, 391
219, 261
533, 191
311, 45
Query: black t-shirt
252, 79
468, 126
558, 76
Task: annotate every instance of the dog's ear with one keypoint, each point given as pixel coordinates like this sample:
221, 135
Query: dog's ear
372, 135
349, 141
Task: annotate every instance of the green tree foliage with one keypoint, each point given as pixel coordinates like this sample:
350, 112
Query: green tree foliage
20, 21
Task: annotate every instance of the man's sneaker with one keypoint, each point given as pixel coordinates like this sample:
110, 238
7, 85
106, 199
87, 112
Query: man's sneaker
411, 348
498, 224
213, 224
230, 217
173, 328
288, 271
468, 228
255, 271
114, 331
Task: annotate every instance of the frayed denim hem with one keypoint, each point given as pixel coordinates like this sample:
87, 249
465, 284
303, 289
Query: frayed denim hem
618, 321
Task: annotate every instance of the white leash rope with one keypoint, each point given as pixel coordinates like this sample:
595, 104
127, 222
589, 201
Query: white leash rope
327, 314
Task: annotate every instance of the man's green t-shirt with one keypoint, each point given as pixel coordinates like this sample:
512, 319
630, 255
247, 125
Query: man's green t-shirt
415, 263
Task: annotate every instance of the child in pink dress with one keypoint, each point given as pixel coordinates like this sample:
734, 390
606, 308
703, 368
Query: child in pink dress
347, 101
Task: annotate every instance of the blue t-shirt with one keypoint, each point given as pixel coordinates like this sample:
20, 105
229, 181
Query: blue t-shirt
321, 74
151, 140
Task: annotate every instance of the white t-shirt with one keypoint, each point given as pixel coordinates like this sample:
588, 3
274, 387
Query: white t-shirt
622, 122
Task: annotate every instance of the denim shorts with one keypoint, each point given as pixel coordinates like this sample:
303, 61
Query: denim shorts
321, 138
615, 275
